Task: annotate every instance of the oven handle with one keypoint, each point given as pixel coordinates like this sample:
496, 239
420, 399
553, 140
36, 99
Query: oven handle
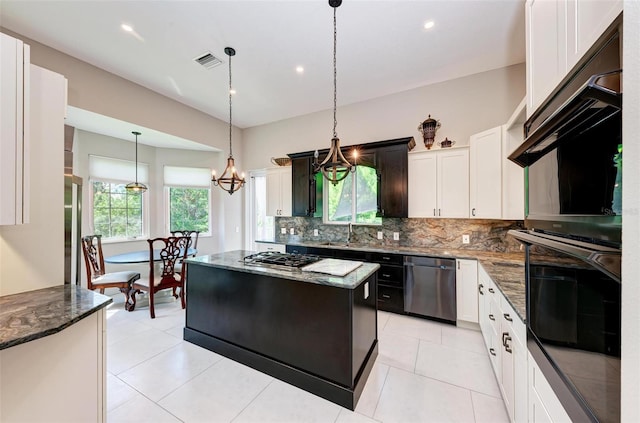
608, 260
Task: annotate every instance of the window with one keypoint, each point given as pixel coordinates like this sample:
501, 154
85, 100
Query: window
262, 225
353, 199
115, 213
188, 198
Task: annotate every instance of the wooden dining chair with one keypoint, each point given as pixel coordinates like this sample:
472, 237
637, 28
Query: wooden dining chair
171, 251
191, 234
98, 278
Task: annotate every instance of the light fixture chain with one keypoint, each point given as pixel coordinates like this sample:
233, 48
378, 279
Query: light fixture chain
230, 114
335, 77
136, 158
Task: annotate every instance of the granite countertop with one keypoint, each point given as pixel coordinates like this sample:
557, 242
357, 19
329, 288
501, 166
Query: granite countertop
232, 260
505, 269
35, 314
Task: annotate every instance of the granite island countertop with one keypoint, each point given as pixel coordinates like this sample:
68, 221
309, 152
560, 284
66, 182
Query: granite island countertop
505, 269
232, 260
31, 315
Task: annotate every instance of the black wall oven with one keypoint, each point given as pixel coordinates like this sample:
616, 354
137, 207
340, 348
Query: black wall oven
572, 155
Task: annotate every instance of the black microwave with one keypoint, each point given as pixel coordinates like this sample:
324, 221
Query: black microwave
572, 153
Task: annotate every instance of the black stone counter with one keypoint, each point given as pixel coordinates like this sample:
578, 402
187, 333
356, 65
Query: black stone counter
232, 260
35, 314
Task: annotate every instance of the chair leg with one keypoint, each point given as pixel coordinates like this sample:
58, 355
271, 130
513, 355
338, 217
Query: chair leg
102, 291
128, 304
152, 310
133, 299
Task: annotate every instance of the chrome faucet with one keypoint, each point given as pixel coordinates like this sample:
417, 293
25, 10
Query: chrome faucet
349, 233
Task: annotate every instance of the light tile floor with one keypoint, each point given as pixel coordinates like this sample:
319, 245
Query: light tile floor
425, 372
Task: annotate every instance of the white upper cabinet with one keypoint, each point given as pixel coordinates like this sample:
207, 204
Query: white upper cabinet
558, 34
279, 191
586, 21
439, 183
512, 174
485, 174
14, 131
546, 49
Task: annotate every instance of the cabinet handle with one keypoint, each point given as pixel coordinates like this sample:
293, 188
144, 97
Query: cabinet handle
473, 211
504, 334
491, 317
491, 290
507, 347
386, 275
508, 317
458, 265
434, 212
385, 296
386, 258
439, 214
480, 289
492, 351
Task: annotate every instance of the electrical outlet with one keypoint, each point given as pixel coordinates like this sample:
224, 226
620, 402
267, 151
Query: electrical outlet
396, 236
465, 239
283, 231
379, 234
292, 231
315, 232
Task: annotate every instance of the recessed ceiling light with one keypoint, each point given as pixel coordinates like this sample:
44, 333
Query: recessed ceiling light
299, 69
429, 24
126, 27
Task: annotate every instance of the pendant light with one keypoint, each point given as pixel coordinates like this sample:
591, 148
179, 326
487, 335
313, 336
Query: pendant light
136, 186
229, 180
334, 167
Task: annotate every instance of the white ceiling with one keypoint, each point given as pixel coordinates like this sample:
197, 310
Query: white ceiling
383, 47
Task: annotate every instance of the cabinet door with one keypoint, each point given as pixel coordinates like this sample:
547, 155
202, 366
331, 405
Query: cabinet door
586, 21
453, 183
546, 49
467, 290
303, 187
14, 131
422, 184
274, 188
507, 362
484, 283
485, 174
285, 191
391, 166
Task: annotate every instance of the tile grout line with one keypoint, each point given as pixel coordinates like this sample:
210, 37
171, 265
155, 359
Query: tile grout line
384, 382
254, 398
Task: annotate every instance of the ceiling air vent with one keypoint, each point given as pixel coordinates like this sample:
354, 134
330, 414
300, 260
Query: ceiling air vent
208, 60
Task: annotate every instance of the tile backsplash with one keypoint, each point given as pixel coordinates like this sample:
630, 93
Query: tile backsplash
484, 234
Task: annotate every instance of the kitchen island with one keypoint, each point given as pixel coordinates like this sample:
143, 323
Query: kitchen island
315, 331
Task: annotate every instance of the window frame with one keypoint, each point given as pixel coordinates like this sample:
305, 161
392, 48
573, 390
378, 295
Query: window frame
145, 213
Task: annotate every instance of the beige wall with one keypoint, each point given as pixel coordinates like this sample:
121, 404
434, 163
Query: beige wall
464, 106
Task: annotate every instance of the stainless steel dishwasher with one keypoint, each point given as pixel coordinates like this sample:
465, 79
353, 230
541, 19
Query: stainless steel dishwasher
430, 287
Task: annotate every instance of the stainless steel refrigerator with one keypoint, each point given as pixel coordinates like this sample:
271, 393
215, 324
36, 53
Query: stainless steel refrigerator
72, 213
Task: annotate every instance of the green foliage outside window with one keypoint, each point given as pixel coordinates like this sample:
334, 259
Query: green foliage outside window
116, 212
340, 204
189, 209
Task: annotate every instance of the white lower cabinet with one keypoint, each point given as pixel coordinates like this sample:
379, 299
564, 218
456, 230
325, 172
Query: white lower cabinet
505, 337
467, 290
544, 405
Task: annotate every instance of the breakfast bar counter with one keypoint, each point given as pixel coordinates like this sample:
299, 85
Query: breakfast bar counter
314, 331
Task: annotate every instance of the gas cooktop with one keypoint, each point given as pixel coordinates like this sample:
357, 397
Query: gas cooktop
277, 260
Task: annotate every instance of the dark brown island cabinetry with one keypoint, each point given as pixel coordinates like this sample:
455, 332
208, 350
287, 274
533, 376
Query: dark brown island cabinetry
314, 331
390, 275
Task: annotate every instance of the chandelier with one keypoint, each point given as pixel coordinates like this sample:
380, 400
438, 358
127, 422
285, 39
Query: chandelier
334, 167
229, 180
136, 186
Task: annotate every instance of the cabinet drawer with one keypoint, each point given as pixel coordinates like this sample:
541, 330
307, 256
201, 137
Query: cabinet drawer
296, 249
515, 324
352, 255
391, 299
391, 275
382, 258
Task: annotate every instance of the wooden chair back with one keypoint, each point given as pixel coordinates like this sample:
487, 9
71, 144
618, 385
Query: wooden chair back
93, 258
191, 234
173, 250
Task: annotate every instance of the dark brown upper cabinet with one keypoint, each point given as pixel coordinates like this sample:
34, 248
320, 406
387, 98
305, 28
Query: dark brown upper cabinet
306, 195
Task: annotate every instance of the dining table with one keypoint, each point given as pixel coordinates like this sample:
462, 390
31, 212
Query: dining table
141, 256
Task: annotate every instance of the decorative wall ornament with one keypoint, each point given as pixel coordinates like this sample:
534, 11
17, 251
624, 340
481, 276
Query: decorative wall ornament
428, 129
